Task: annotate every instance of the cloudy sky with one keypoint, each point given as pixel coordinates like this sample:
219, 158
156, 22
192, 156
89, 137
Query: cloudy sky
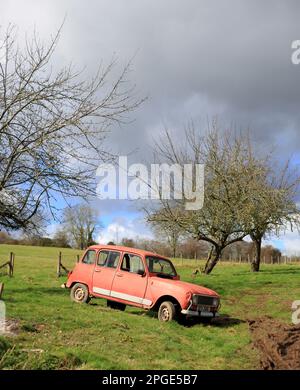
194, 59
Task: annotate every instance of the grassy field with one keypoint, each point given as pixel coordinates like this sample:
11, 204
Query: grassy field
57, 333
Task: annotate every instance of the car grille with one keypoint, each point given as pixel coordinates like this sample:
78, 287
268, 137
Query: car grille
205, 301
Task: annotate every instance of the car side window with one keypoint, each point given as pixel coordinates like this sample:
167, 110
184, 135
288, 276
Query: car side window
108, 259
89, 257
113, 259
102, 257
132, 263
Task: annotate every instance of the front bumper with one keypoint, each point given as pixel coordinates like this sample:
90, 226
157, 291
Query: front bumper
194, 313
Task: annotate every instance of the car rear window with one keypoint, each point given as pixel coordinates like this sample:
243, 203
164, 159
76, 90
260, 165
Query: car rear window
132, 263
108, 259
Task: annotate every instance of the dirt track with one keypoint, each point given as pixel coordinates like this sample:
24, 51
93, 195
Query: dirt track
279, 344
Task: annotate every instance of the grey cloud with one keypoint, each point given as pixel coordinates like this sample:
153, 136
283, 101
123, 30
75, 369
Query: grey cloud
194, 59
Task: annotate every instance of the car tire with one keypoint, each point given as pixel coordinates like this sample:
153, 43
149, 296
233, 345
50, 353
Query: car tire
80, 293
116, 305
166, 311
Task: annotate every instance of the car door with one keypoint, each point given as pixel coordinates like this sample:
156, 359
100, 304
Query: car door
130, 282
85, 269
104, 272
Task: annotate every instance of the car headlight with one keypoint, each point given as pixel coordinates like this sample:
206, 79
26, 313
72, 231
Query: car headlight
195, 299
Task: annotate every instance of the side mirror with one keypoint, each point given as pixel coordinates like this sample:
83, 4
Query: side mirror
141, 272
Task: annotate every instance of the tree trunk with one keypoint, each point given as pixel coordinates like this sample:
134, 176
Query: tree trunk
212, 260
255, 263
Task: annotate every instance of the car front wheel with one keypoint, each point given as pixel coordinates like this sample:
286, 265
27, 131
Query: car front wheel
80, 293
166, 311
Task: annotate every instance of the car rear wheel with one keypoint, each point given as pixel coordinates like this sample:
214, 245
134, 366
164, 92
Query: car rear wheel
80, 293
166, 311
116, 305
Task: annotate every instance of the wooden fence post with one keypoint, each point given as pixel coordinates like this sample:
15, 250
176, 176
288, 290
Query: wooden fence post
1, 289
58, 265
77, 258
11, 265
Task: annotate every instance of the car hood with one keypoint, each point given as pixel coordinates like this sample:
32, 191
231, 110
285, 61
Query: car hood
185, 286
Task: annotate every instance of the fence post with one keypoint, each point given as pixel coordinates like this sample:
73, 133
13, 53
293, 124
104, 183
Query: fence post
58, 265
77, 258
181, 259
11, 265
1, 289
13, 262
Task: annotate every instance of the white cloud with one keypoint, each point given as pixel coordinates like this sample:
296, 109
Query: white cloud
124, 227
288, 242
52, 229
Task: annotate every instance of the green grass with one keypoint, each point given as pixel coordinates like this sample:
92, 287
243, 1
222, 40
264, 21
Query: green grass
57, 333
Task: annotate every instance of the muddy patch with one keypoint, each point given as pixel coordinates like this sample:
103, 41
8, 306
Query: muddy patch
278, 343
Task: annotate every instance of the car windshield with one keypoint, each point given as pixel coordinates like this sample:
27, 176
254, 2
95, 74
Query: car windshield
160, 266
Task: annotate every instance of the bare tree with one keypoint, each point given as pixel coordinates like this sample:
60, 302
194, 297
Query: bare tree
52, 128
168, 232
129, 242
226, 173
245, 194
61, 238
272, 207
81, 222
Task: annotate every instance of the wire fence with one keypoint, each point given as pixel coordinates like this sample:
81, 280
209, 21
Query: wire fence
270, 260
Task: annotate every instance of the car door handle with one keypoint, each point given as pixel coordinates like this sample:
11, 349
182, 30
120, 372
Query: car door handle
97, 270
120, 275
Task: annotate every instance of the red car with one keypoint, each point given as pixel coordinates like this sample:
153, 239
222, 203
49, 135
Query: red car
128, 276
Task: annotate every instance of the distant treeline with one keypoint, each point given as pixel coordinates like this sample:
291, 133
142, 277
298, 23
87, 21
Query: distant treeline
242, 251
5, 238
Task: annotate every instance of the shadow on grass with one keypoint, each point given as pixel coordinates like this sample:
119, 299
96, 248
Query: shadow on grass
281, 271
224, 321
41, 290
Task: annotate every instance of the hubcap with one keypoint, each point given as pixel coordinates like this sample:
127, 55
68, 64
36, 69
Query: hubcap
165, 315
79, 294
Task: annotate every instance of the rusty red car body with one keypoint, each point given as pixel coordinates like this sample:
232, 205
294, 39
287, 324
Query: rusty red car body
129, 276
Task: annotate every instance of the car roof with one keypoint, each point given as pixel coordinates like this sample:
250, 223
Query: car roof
127, 249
